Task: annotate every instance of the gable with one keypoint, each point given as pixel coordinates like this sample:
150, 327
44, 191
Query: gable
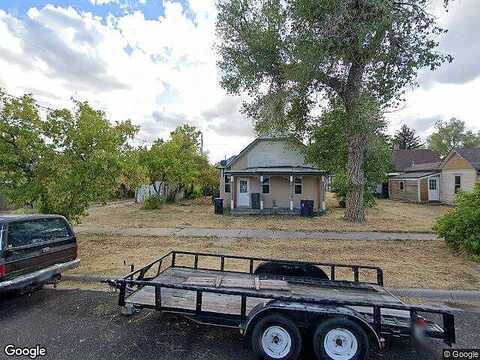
456, 162
269, 153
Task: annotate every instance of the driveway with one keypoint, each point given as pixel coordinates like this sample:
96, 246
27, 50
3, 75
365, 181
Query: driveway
81, 324
252, 233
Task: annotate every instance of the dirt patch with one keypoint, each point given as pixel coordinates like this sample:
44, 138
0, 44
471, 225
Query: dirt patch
386, 216
407, 264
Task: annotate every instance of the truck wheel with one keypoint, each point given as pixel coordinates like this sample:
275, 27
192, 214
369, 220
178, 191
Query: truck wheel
340, 339
276, 337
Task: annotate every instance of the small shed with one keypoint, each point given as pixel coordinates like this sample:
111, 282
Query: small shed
418, 187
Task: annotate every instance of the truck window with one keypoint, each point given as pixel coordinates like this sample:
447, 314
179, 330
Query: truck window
34, 232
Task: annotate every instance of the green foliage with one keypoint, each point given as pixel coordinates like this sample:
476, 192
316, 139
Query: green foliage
406, 139
63, 163
178, 162
460, 227
153, 202
328, 149
286, 56
339, 186
450, 135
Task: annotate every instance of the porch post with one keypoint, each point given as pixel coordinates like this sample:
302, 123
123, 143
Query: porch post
323, 192
233, 191
291, 192
261, 192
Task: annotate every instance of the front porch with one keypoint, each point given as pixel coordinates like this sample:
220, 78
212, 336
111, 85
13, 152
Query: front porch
274, 191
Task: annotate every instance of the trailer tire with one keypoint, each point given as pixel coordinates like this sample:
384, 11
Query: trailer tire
276, 337
340, 339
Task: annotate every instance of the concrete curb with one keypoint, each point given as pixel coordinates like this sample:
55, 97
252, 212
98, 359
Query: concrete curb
255, 233
438, 294
430, 294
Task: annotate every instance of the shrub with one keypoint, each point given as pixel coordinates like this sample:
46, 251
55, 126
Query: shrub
153, 202
460, 227
340, 188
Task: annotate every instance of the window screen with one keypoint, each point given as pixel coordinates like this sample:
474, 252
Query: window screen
298, 185
458, 183
227, 183
266, 185
36, 231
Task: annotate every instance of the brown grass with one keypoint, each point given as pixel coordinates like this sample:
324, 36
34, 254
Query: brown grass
427, 264
386, 216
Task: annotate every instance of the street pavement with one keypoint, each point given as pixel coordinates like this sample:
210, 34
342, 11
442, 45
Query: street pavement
84, 324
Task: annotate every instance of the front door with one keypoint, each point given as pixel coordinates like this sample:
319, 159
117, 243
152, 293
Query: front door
433, 189
243, 193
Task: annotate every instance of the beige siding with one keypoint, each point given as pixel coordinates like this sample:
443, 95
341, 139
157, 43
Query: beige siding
447, 183
279, 191
270, 153
456, 165
225, 196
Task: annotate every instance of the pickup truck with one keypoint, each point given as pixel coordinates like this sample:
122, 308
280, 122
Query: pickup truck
35, 250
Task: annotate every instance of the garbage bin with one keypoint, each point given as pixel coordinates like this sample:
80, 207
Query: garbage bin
306, 208
255, 200
218, 204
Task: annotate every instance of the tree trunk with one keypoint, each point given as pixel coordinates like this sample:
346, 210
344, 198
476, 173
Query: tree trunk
357, 144
354, 211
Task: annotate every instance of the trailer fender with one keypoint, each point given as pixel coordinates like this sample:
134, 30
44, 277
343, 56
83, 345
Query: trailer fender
297, 309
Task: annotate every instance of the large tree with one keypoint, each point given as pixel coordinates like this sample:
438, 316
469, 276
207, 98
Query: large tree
284, 56
328, 148
405, 139
178, 162
452, 134
63, 163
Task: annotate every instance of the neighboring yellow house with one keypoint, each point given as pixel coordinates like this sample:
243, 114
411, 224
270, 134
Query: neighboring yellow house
270, 176
438, 181
459, 171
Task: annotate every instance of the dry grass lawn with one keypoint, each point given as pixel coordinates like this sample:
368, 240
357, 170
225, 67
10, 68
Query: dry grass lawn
386, 216
416, 264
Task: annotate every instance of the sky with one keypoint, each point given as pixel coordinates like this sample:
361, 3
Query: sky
152, 61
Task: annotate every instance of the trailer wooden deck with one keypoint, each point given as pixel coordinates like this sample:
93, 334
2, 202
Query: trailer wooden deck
230, 304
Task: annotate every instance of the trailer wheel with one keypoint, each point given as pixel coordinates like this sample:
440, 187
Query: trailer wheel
340, 339
276, 337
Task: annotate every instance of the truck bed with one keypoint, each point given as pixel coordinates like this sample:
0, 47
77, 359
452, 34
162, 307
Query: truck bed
230, 304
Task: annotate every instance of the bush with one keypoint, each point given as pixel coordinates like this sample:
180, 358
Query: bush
153, 202
340, 188
460, 227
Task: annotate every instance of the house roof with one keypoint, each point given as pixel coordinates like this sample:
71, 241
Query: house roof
414, 175
403, 159
425, 167
472, 155
278, 170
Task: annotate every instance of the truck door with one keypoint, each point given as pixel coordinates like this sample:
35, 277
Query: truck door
36, 244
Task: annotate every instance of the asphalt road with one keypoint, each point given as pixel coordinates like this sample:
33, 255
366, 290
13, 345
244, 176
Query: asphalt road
81, 324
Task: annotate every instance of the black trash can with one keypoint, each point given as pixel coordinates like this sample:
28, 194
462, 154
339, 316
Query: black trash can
306, 208
218, 204
255, 200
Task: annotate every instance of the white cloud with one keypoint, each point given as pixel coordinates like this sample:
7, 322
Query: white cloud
160, 73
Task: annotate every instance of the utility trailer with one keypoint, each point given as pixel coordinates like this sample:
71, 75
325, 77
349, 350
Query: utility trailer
344, 309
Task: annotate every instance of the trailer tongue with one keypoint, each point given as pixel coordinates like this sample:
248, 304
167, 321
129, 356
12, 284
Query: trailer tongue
345, 307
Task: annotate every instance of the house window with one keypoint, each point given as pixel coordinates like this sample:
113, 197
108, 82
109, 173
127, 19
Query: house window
298, 185
402, 185
227, 183
458, 183
432, 184
266, 185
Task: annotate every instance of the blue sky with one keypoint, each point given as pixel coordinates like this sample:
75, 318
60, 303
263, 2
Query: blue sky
151, 9
153, 61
